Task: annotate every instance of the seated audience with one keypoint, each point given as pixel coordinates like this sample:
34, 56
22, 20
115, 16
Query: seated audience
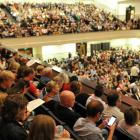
82, 98
7, 79
51, 92
64, 110
99, 91
13, 114
66, 81
56, 19
46, 76
28, 75
59, 81
21, 86
76, 88
86, 127
39, 70
129, 123
13, 67
114, 102
14, 57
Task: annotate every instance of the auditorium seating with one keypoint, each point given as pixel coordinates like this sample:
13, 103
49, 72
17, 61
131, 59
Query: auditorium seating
123, 135
88, 87
80, 109
57, 19
44, 110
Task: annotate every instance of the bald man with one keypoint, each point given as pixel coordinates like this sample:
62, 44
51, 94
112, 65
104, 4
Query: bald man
67, 99
64, 110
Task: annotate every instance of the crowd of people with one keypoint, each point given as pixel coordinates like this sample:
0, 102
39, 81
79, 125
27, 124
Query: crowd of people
48, 19
115, 69
61, 94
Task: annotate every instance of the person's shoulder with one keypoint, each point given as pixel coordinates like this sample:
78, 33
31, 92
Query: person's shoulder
14, 130
18, 131
137, 127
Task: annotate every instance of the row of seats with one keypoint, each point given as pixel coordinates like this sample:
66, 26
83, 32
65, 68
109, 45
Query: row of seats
79, 108
44, 110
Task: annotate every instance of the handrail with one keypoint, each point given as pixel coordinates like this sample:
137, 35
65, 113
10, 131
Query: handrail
33, 42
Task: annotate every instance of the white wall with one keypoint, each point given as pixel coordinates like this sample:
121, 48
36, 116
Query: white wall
107, 5
122, 9
58, 51
131, 43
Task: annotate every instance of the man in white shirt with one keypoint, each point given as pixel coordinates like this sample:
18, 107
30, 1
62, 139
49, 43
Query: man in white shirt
134, 73
99, 91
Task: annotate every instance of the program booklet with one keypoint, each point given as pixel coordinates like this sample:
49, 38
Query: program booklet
34, 104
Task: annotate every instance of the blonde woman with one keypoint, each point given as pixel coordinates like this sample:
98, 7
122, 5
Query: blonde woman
44, 128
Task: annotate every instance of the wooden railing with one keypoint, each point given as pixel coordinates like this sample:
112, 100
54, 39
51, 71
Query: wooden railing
31, 42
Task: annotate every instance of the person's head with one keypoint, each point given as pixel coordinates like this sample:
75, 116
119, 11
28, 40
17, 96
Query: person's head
75, 87
47, 72
52, 87
28, 73
15, 55
99, 90
131, 116
67, 98
39, 69
113, 98
42, 128
59, 81
14, 66
65, 77
20, 73
73, 78
95, 109
7, 79
14, 108
21, 86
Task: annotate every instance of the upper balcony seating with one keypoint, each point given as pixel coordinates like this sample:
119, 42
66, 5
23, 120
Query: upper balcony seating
54, 19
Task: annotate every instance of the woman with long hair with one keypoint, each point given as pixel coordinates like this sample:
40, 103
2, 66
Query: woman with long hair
43, 127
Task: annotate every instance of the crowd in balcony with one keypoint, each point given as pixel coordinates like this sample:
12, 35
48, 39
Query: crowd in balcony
54, 19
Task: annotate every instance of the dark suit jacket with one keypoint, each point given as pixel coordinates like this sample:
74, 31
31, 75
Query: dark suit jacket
66, 115
12, 131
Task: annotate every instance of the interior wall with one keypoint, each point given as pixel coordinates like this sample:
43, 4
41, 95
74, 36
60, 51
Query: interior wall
107, 5
58, 51
131, 44
61, 51
122, 9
